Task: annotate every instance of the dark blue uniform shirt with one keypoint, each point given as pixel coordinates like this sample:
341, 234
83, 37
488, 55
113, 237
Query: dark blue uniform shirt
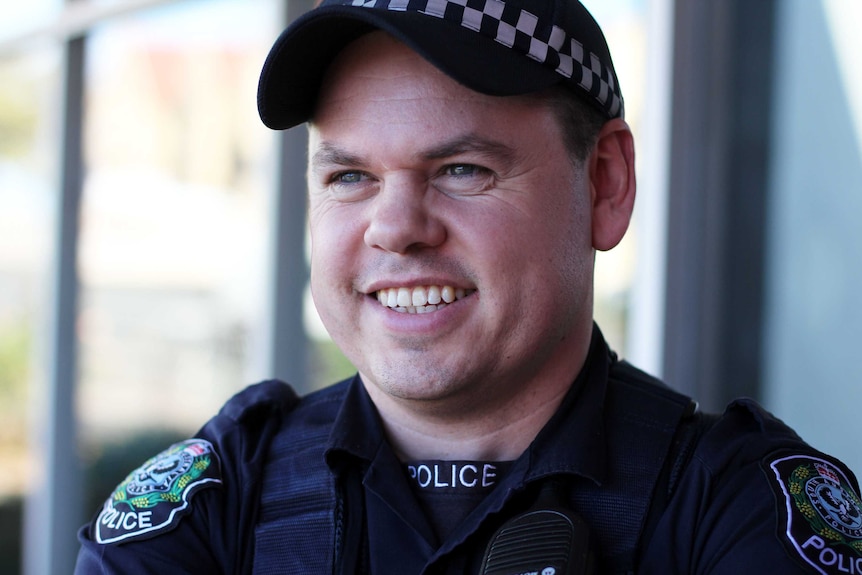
742, 495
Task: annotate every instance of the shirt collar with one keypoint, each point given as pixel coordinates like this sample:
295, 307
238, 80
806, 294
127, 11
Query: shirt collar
357, 430
572, 442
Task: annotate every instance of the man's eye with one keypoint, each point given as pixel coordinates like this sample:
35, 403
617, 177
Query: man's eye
463, 179
348, 185
348, 178
462, 170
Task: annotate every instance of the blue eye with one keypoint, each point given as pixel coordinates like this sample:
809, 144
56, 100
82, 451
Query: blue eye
348, 177
349, 185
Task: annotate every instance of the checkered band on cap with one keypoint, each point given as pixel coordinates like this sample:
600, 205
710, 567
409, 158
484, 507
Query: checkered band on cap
525, 33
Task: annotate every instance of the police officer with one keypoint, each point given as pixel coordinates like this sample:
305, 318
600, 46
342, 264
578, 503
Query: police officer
466, 159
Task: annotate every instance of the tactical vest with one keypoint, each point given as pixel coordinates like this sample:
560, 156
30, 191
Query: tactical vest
648, 448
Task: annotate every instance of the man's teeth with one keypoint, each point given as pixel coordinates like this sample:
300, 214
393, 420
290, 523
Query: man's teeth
420, 299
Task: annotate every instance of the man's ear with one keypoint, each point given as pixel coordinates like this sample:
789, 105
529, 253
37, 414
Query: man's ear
612, 183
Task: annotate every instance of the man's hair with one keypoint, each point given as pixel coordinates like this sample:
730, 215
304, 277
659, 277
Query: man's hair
579, 121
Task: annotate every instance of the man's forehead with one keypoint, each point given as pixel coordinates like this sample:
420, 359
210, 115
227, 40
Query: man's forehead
376, 61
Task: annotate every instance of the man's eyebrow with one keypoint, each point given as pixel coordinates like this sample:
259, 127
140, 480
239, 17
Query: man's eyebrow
469, 143
331, 155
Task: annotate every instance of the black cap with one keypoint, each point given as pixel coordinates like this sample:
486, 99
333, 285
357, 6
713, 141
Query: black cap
496, 47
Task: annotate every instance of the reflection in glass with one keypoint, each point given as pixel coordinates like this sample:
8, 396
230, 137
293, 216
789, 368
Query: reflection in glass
174, 223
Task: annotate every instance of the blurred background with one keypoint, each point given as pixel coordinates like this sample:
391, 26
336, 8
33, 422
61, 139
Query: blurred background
152, 231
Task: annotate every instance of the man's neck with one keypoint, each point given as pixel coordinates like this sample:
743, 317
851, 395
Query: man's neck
502, 433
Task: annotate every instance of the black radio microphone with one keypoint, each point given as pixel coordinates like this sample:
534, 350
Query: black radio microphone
547, 539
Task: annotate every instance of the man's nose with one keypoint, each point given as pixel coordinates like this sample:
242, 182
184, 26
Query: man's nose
402, 217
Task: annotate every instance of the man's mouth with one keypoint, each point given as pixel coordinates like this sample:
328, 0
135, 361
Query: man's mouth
420, 299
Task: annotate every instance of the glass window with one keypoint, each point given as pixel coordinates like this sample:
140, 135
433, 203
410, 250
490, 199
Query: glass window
625, 24
813, 313
175, 225
29, 132
19, 18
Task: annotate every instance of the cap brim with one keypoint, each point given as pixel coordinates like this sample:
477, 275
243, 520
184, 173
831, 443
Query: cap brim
298, 60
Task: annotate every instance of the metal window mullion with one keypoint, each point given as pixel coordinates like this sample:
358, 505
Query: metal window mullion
288, 343
720, 147
55, 510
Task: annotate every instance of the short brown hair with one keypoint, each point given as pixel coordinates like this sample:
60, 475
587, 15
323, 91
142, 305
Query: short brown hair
580, 122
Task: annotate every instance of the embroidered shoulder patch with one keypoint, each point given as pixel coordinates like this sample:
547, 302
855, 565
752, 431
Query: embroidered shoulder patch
822, 516
154, 497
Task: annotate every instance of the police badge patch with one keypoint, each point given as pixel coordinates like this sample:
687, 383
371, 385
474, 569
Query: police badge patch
153, 498
822, 515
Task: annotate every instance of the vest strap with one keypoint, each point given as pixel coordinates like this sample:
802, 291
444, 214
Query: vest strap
299, 505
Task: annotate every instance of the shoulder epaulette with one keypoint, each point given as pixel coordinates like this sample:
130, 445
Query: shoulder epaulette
270, 395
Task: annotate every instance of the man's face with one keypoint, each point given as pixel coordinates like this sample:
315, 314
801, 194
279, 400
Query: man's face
451, 248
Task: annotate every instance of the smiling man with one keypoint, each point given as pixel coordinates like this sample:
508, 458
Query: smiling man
466, 160
416, 186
